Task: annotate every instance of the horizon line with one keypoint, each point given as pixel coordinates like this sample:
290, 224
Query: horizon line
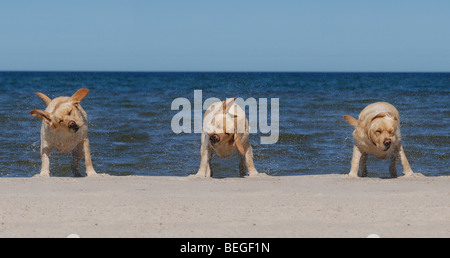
199, 71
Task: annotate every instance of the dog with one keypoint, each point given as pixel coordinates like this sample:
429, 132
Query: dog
377, 132
225, 130
64, 128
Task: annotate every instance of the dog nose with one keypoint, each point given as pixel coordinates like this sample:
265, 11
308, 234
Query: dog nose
387, 142
72, 124
214, 138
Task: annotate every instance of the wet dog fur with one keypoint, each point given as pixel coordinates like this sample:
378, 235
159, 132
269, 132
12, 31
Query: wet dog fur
377, 132
64, 128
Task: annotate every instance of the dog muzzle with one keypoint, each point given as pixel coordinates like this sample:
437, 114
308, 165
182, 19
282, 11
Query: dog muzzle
73, 126
387, 144
213, 139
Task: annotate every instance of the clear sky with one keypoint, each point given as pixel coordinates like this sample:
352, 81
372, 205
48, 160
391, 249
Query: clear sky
226, 35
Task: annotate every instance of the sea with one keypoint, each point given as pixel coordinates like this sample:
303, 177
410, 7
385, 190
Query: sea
130, 120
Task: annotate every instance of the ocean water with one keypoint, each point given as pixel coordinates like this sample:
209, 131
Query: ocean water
130, 120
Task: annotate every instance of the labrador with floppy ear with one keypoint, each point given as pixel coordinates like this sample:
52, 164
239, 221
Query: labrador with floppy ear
377, 132
225, 130
65, 129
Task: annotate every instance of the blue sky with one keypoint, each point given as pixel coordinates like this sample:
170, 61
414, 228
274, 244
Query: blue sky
227, 35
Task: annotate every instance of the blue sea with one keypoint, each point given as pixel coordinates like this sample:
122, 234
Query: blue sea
130, 120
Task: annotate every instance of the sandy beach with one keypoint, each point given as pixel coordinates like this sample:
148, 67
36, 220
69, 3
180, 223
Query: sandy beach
288, 206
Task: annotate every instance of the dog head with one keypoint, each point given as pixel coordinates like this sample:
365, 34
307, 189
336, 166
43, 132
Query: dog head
63, 113
224, 124
382, 130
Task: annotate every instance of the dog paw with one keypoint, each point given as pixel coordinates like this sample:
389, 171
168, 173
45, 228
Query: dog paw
99, 175
91, 173
413, 175
197, 175
43, 174
256, 174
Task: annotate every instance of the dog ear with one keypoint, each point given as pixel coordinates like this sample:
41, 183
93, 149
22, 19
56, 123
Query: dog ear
80, 95
227, 104
351, 120
45, 116
397, 121
44, 97
379, 115
383, 114
237, 134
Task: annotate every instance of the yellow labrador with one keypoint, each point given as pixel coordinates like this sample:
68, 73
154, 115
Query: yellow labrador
225, 130
377, 132
65, 129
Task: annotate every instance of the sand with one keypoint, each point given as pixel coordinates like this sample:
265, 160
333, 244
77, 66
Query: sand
288, 206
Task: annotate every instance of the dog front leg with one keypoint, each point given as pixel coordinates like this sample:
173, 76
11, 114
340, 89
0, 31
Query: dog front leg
363, 164
355, 161
248, 159
206, 154
393, 165
77, 154
87, 159
407, 171
242, 166
205, 168
45, 157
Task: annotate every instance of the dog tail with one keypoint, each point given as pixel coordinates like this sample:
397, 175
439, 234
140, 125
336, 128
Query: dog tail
44, 97
351, 120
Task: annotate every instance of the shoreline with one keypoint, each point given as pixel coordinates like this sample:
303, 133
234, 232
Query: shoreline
273, 206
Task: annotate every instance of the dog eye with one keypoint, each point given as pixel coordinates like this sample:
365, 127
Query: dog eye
70, 112
61, 121
378, 131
